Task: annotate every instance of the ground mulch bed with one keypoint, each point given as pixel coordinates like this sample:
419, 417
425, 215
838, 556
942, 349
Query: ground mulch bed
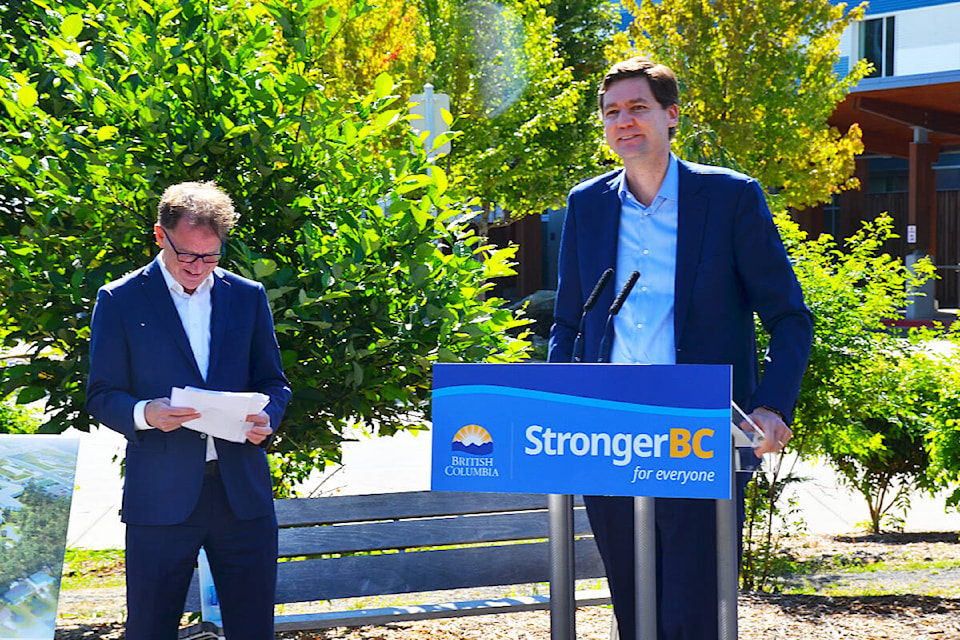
923, 610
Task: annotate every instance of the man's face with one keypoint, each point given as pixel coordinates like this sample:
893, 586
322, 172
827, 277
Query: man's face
187, 238
634, 124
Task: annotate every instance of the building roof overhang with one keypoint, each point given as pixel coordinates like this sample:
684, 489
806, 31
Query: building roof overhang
890, 109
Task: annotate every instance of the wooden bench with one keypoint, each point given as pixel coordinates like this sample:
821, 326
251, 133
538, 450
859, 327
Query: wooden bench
374, 545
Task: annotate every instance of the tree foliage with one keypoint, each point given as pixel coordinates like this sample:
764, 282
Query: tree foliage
514, 97
519, 75
758, 85
370, 269
869, 397
41, 525
371, 37
941, 369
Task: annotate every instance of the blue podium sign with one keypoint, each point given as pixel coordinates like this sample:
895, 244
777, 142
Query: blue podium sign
596, 429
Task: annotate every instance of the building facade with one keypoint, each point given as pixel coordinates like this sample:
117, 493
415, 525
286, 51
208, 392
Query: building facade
909, 112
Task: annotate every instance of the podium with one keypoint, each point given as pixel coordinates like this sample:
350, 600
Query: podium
646, 431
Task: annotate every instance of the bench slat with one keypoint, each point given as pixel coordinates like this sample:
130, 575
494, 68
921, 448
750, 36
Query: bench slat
411, 504
406, 534
415, 571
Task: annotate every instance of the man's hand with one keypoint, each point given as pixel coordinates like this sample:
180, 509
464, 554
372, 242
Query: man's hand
160, 415
261, 427
776, 433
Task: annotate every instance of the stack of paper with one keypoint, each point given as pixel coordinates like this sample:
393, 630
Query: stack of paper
223, 414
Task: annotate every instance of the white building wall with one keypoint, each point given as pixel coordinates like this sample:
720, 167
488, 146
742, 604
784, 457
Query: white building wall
927, 40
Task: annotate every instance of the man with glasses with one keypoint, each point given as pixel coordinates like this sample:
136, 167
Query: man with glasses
183, 321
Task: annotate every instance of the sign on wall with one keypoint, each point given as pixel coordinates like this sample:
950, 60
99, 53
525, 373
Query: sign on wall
597, 429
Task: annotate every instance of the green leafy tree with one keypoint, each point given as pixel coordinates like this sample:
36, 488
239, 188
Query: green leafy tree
866, 403
758, 85
368, 38
520, 76
516, 100
371, 271
15, 418
942, 366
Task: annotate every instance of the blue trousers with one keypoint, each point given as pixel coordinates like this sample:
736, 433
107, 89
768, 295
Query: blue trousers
243, 560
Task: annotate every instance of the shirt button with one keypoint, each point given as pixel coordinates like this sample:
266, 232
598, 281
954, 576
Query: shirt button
639, 325
646, 252
203, 436
643, 288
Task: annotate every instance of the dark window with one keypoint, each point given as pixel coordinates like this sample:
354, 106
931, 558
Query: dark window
876, 45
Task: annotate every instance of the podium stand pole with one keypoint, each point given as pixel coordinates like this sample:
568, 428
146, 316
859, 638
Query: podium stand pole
645, 551
562, 601
728, 559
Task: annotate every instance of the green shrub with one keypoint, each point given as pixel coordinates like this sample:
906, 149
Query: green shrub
362, 243
16, 418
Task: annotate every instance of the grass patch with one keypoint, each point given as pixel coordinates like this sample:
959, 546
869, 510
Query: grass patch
93, 569
856, 564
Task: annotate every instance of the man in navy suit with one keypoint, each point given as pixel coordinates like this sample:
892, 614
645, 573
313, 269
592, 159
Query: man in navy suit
183, 321
709, 257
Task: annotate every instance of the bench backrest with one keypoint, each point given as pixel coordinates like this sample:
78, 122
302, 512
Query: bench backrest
355, 546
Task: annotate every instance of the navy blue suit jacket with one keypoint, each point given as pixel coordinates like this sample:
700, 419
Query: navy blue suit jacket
730, 263
139, 351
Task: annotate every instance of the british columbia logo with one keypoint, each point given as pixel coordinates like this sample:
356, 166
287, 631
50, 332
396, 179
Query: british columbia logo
475, 442
473, 439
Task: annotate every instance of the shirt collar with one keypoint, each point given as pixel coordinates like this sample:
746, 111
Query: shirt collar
669, 188
176, 287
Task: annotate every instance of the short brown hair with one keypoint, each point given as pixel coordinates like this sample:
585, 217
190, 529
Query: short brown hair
662, 79
200, 203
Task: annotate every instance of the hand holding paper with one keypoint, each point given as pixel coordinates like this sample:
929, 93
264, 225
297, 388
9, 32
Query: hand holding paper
223, 414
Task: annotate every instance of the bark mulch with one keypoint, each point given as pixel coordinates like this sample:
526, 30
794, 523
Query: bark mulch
925, 608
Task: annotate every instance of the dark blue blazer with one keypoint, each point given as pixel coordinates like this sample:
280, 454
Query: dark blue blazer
730, 263
139, 351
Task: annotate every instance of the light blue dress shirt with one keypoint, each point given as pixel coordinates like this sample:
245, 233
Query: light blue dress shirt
643, 330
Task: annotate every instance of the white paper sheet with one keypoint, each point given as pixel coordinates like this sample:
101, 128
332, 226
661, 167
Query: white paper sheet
222, 413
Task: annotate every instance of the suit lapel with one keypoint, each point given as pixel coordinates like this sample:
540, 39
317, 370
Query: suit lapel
691, 223
155, 290
220, 299
607, 221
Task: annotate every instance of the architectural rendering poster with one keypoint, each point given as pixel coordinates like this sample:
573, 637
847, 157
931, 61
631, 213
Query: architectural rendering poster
36, 486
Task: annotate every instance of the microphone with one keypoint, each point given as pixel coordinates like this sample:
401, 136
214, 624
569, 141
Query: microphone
587, 306
604, 355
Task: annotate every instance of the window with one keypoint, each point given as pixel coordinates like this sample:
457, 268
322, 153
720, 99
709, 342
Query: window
876, 45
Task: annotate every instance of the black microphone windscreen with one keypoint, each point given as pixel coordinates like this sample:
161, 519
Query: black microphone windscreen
597, 290
622, 296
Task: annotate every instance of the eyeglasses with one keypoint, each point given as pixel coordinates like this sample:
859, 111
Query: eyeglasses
189, 258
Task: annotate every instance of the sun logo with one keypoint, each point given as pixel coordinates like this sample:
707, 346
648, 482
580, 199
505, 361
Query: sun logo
473, 439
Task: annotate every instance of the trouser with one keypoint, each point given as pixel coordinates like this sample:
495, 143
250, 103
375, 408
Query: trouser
243, 561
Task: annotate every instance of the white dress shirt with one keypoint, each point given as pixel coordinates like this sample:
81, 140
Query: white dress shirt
643, 331
195, 311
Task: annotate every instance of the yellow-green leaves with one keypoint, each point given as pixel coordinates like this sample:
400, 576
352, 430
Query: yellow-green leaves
758, 85
72, 26
383, 85
27, 96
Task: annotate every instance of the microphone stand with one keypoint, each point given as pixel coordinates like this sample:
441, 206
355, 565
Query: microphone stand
587, 306
604, 355
563, 621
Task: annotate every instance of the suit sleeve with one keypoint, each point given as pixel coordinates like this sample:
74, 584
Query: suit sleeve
109, 399
569, 302
775, 295
266, 367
